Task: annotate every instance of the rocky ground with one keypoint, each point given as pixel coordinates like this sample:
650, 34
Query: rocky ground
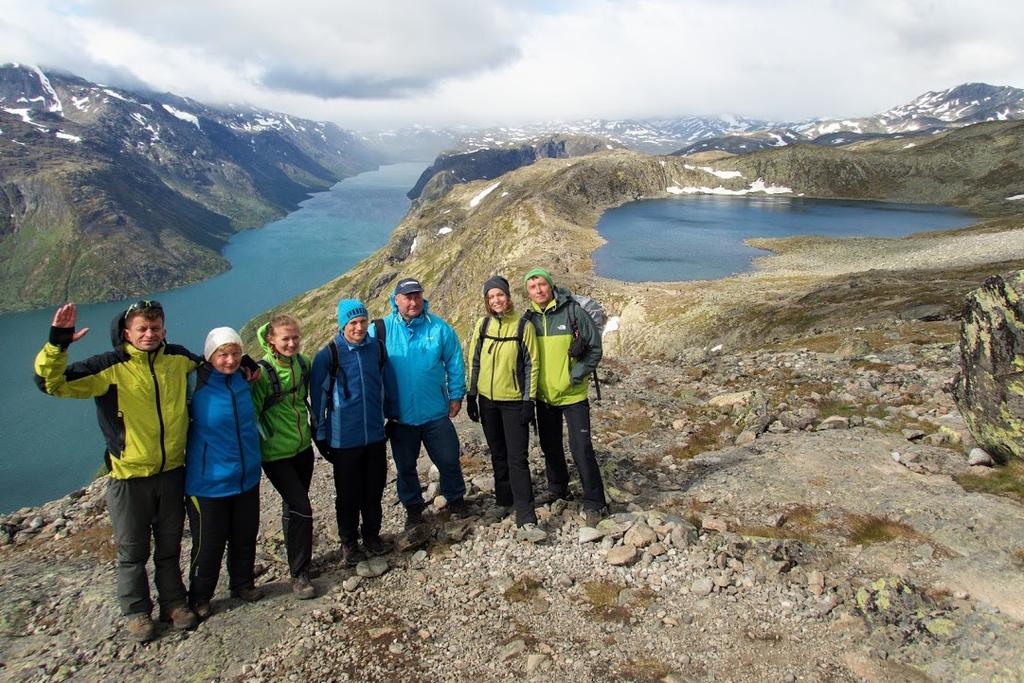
803, 512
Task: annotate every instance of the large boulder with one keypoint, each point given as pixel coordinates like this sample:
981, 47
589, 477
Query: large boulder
989, 388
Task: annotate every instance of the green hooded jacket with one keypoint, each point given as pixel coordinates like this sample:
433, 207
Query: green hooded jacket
284, 427
563, 380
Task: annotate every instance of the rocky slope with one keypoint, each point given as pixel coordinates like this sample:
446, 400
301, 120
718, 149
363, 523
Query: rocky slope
453, 168
106, 193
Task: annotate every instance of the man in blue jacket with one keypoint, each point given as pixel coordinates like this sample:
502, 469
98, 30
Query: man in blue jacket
425, 381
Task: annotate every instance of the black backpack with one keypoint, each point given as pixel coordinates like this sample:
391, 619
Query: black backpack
520, 377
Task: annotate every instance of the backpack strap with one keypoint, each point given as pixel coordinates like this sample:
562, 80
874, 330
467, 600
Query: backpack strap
335, 370
474, 375
381, 331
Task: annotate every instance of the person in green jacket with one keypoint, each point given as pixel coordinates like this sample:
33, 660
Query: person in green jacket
280, 397
570, 349
502, 389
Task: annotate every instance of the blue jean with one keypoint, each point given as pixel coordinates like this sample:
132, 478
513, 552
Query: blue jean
442, 444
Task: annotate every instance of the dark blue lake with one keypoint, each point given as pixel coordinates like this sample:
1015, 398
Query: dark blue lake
701, 237
51, 446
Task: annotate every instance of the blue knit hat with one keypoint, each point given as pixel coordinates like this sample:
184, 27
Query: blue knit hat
350, 308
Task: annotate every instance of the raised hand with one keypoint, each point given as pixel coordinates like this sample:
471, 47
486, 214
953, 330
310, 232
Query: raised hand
65, 318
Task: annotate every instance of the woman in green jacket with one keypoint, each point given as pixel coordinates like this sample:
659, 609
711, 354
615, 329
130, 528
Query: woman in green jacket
502, 389
280, 397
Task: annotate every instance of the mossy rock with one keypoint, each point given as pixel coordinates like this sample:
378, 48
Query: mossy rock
989, 388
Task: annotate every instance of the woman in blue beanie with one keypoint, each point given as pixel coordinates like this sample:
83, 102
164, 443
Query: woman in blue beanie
347, 400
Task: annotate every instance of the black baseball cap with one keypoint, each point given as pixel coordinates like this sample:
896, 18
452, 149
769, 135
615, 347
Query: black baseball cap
408, 286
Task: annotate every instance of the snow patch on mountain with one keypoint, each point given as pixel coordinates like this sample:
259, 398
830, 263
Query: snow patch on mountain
183, 115
479, 198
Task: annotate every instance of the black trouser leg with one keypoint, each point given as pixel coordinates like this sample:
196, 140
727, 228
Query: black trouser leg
375, 476
549, 429
577, 419
494, 432
209, 519
291, 478
509, 442
348, 484
245, 525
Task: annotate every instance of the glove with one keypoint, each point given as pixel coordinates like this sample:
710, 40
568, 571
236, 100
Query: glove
471, 408
527, 415
325, 451
389, 429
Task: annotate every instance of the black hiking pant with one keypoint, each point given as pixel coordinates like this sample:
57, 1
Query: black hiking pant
291, 477
359, 477
549, 428
233, 521
508, 440
142, 508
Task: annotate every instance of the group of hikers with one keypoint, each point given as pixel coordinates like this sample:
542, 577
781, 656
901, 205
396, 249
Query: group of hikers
189, 435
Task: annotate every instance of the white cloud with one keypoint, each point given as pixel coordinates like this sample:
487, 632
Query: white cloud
366, 64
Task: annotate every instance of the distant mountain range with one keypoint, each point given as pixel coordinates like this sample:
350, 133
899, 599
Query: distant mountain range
107, 193
927, 114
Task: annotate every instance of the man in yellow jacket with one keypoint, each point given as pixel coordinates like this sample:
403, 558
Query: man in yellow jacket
140, 391
569, 348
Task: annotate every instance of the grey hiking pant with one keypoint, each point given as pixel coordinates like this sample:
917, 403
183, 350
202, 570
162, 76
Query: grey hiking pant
141, 508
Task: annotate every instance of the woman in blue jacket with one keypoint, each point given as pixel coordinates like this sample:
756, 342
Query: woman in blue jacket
347, 397
222, 474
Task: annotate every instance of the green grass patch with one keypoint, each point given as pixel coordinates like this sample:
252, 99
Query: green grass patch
1003, 480
871, 529
829, 407
523, 590
603, 598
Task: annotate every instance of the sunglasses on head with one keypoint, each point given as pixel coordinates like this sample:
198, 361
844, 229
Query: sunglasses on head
144, 305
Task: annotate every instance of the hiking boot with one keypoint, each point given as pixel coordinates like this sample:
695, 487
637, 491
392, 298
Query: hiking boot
460, 508
376, 546
303, 588
141, 627
531, 533
180, 616
592, 518
548, 497
351, 555
247, 593
413, 517
497, 513
203, 609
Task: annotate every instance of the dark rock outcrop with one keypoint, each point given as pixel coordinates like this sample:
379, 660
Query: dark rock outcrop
989, 388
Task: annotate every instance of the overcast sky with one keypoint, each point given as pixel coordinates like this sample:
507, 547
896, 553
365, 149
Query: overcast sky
379, 64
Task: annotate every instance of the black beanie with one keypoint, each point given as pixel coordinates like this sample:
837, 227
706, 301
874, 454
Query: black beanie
497, 282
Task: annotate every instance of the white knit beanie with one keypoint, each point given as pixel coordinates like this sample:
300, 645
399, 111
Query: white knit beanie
218, 337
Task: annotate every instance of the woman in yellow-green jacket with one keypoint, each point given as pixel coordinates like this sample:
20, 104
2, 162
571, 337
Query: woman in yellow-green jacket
502, 389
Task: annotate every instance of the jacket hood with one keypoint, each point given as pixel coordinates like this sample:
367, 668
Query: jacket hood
117, 331
261, 337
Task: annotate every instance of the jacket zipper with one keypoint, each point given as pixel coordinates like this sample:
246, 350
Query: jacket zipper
295, 395
238, 432
159, 410
362, 389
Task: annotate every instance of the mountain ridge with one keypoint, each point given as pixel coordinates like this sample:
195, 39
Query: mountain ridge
107, 193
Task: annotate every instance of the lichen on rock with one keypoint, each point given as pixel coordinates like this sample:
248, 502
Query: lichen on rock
989, 388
